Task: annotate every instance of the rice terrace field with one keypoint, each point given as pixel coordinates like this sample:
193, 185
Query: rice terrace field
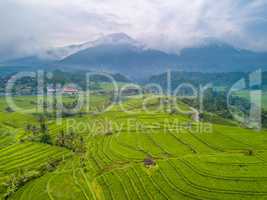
130, 155
133, 100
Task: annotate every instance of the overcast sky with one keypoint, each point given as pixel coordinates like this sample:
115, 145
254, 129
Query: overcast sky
32, 25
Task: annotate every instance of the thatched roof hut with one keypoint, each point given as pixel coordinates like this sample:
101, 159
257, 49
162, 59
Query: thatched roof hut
149, 162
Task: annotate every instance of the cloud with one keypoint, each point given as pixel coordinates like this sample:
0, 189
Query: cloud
29, 26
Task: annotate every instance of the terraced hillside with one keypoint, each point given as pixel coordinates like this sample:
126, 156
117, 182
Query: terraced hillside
141, 155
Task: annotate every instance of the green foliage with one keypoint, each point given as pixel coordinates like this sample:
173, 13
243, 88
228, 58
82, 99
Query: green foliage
40, 134
71, 141
8, 109
46, 138
218, 80
17, 180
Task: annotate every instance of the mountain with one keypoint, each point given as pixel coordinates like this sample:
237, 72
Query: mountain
30, 61
221, 57
120, 53
123, 58
112, 39
136, 60
56, 54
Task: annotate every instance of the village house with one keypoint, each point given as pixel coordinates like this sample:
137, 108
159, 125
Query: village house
70, 90
50, 90
131, 92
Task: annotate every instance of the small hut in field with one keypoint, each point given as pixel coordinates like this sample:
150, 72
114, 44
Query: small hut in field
149, 162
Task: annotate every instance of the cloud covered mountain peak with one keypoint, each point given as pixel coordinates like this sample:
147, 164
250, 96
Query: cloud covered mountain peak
111, 39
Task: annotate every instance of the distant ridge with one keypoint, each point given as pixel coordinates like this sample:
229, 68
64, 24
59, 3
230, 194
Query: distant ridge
119, 52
